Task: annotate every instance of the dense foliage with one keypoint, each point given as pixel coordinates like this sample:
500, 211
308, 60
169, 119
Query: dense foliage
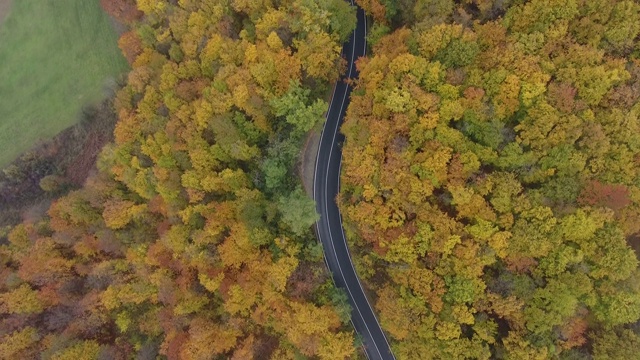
491, 180
193, 240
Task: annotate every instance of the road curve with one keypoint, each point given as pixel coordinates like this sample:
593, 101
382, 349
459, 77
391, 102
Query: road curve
326, 185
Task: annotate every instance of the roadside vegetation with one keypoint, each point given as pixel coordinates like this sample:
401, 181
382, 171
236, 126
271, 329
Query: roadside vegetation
53, 167
193, 239
490, 179
57, 56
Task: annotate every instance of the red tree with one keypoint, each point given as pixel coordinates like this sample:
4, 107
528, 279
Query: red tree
123, 10
613, 196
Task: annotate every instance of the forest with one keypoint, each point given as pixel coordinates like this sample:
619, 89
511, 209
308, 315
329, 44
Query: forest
491, 178
490, 187
193, 238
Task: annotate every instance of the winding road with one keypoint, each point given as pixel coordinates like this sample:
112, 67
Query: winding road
326, 185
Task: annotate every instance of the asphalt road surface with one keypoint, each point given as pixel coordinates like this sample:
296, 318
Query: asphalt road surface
326, 185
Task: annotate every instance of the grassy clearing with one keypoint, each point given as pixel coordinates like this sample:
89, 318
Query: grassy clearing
55, 57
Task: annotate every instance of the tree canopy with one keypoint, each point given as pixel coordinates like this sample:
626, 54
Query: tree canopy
490, 178
193, 239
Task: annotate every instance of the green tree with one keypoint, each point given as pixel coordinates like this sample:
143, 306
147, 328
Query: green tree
296, 109
615, 344
298, 211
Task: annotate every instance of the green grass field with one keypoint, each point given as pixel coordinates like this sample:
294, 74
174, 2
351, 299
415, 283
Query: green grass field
56, 56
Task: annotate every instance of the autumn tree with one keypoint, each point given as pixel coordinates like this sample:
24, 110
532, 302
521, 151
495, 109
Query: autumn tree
489, 176
188, 239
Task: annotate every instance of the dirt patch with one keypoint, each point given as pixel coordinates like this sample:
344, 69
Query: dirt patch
5, 6
307, 162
